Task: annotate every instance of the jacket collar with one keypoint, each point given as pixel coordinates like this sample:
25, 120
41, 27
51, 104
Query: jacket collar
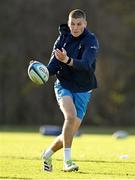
64, 29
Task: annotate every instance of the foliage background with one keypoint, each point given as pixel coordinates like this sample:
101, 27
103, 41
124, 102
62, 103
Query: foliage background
28, 29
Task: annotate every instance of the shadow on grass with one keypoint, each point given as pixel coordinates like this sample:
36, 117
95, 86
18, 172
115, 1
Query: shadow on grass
6, 177
119, 174
129, 175
90, 161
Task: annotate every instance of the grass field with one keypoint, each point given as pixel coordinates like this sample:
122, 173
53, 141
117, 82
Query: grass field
96, 152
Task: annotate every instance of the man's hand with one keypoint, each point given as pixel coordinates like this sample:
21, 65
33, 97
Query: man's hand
61, 55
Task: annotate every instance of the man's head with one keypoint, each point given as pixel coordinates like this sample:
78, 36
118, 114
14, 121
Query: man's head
77, 22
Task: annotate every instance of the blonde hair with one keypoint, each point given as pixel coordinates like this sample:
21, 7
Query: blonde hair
77, 13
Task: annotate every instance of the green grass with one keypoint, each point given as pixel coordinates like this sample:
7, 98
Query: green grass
96, 152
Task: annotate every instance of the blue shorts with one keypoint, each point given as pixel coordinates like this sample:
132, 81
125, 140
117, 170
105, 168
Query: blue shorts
80, 100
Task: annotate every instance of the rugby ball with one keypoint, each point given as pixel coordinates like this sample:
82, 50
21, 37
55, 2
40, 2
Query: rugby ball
38, 73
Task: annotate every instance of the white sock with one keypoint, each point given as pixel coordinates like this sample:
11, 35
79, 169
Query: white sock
48, 153
67, 154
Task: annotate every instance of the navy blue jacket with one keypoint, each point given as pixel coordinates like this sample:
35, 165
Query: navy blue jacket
83, 49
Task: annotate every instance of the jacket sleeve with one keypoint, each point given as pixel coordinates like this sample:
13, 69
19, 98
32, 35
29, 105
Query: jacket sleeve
89, 55
53, 65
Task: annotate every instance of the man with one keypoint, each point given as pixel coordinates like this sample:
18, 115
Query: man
73, 62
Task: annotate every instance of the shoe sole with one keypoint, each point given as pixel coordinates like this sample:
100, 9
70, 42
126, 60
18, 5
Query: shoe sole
70, 170
48, 170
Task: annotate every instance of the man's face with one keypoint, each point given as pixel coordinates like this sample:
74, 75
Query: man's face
76, 26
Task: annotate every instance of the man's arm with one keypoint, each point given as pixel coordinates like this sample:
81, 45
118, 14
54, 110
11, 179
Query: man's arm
53, 65
88, 57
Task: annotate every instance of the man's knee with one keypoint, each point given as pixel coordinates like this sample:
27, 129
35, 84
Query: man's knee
71, 117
